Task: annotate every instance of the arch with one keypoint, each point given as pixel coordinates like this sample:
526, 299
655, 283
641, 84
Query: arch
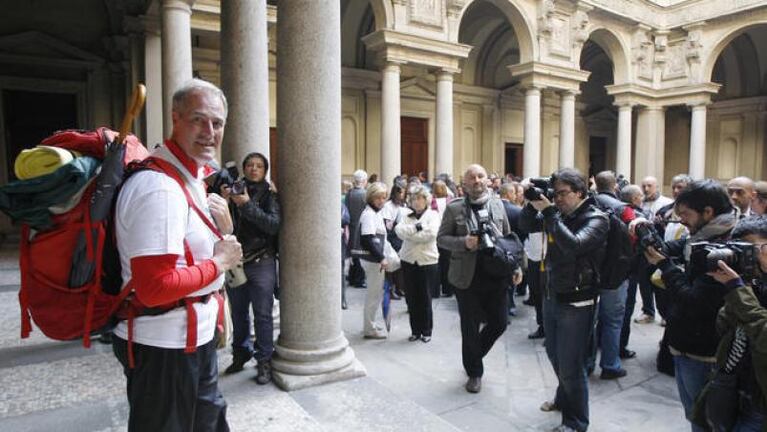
383, 12
358, 19
519, 23
722, 43
612, 45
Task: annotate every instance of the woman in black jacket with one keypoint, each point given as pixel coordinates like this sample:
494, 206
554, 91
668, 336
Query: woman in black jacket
256, 214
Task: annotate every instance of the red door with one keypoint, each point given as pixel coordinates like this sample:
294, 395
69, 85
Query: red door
415, 145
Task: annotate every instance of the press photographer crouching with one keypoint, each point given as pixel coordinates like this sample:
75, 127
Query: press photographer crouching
469, 228
256, 214
736, 397
694, 297
577, 234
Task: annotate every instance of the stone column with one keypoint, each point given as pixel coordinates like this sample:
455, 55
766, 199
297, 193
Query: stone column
245, 77
698, 142
390, 124
444, 129
567, 130
153, 78
311, 348
532, 149
176, 52
623, 156
650, 143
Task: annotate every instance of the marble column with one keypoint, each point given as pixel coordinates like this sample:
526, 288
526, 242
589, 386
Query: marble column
567, 130
623, 153
153, 81
698, 142
176, 52
532, 149
311, 348
650, 143
444, 129
245, 77
391, 151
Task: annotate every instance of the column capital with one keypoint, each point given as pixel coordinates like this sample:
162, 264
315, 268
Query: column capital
550, 76
182, 5
624, 105
698, 105
533, 90
568, 94
392, 66
446, 74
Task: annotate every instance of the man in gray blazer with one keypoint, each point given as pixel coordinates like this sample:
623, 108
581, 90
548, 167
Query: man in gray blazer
479, 296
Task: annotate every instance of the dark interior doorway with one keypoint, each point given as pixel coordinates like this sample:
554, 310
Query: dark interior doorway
597, 154
31, 116
414, 147
513, 159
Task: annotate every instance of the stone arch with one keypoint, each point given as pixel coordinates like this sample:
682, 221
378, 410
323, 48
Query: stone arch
613, 46
384, 15
521, 24
719, 46
358, 19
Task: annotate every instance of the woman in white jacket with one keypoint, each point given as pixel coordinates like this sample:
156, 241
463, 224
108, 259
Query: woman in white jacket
419, 257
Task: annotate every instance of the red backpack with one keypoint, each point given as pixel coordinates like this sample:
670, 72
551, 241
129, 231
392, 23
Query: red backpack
48, 260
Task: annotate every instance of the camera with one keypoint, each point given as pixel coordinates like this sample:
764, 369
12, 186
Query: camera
228, 177
622, 181
539, 187
484, 231
648, 236
238, 187
739, 256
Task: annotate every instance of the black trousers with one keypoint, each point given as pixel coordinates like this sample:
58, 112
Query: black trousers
170, 390
534, 282
444, 266
420, 281
484, 300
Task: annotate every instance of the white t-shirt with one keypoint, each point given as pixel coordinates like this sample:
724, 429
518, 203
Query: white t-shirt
153, 218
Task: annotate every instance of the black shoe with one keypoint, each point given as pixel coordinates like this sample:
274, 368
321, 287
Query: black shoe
264, 372
414, 337
447, 294
528, 302
344, 306
538, 334
512, 311
425, 339
474, 385
627, 354
238, 362
608, 374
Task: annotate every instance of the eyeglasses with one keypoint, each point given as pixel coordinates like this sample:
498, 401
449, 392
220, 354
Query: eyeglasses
761, 247
561, 193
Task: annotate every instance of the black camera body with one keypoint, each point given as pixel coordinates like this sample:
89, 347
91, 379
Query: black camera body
484, 231
648, 236
540, 187
622, 181
228, 177
739, 256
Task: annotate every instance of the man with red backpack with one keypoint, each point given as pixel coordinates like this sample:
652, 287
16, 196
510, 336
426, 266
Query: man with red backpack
174, 244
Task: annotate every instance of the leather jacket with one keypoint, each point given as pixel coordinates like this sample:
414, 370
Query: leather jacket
576, 248
257, 223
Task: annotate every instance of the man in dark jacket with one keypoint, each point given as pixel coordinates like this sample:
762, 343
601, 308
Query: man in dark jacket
577, 234
694, 299
507, 194
744, 316
356, 202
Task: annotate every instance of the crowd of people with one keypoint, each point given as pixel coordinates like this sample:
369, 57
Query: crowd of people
698, 258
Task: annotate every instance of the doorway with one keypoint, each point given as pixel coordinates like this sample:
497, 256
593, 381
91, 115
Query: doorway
513, 159
414, 146
30, 116
597, 154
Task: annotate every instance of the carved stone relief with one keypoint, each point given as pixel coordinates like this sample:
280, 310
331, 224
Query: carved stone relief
553, 30
580, 21
676, 66
642, 53
454, 7
429, 12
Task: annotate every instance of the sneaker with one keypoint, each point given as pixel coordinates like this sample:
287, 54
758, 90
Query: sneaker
644, 319
414, 337
538, 334
425, 339
563, 428
608, 374
376, 335
264, 372
474, 384
549, 406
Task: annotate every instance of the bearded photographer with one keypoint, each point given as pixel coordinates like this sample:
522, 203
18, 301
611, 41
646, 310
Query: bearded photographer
256, 213
480, 297
742, 322
694, 297
577, 234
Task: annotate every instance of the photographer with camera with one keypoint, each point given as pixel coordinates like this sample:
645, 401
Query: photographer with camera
577, 234
256, 213
737, 396
464, 231
694, 297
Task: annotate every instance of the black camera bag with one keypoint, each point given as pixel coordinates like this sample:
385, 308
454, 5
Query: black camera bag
504, 259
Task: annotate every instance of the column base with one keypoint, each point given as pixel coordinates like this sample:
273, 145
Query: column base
290, 382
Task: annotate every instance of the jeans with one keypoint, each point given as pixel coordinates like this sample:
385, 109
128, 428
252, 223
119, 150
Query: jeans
420, 280
258, 293
691, 376
483, 299
170, 390
611, 311
631, 300
568, 332
752, 421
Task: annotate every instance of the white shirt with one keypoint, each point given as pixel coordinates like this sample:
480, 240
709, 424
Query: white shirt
535, 246
153, 218
652, 207
419, 247
371, 222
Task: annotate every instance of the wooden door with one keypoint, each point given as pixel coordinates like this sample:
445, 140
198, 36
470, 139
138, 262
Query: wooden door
414, 146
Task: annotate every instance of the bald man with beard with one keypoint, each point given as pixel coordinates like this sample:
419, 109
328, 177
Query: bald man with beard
741, 192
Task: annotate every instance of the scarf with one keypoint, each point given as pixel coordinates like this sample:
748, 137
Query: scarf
718, 227
480, 200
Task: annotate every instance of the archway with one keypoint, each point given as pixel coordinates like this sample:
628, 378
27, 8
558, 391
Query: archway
598, 112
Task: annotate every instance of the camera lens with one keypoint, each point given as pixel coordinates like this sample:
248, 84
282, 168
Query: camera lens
723, 254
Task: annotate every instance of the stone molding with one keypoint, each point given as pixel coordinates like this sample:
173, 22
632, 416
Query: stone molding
631, 94
542, 75
407, 48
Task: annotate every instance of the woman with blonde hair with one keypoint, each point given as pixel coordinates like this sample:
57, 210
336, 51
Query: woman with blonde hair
369, 246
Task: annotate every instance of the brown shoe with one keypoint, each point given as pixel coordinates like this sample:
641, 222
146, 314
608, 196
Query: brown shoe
474, 384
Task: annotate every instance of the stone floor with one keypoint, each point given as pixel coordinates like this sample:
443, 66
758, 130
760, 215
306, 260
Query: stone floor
411, 386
